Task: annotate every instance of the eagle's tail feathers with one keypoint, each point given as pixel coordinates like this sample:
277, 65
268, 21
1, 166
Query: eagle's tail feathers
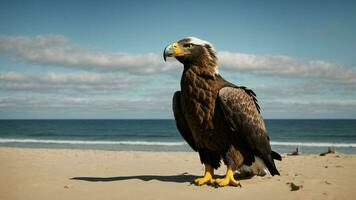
272, 168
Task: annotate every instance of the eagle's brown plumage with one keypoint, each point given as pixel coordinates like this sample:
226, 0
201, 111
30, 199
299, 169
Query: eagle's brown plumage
217, 118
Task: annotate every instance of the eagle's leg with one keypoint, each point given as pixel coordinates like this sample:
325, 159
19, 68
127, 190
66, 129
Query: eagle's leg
228, 180
207, 178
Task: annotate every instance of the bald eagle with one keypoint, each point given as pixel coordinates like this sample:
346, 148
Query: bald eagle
219, 120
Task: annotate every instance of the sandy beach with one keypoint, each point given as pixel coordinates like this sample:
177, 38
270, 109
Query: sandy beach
91, 174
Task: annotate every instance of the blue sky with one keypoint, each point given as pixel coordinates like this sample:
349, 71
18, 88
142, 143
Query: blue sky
88, 59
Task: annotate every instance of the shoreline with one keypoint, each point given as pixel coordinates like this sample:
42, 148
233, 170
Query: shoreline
33, 173
304, 150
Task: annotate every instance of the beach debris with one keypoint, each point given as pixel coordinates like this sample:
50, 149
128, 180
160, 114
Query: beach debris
329, 151
326, 166
294, 187
295, 153
66, 187
327, 182
339, 166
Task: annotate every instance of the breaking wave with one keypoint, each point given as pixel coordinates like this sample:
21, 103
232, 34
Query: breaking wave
143, 143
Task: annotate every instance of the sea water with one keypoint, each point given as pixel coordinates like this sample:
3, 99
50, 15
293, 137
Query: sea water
311, 136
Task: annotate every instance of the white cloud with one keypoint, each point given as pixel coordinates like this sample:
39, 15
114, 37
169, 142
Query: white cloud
307, 88
121, 104
57, 50
54, 82
309, 109
97, 106
93, 104
103, 81
287, 66
47, 107
316, 103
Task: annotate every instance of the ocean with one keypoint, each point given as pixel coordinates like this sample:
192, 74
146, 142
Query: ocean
311, 136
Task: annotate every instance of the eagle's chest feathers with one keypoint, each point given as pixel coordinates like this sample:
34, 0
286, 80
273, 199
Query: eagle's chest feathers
199, 89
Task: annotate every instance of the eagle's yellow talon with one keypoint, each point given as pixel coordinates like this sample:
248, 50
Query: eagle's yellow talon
208, 177
228, 180
204, 180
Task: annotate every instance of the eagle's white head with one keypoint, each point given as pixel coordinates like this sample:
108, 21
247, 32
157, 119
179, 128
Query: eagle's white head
192, 51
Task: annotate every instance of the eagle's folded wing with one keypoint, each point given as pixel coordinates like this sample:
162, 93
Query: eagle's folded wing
241, 111
181, 122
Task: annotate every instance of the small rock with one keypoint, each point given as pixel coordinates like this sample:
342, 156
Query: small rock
66, 186
339, 166
327, 182
294, 187
325, 166
329, 151
295, 153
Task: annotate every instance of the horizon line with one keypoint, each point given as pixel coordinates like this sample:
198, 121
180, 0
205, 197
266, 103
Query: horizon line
163, 119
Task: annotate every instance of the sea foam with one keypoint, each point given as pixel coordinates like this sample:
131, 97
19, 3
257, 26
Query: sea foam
145, 143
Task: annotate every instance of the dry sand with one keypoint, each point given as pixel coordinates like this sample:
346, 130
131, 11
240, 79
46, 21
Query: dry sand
89, 174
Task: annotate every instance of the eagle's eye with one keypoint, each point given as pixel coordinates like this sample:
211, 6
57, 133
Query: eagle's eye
188, 46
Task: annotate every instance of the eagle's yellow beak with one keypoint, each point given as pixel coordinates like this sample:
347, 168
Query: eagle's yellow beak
174, 50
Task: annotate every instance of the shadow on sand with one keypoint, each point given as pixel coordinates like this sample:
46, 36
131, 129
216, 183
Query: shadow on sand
180, 178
